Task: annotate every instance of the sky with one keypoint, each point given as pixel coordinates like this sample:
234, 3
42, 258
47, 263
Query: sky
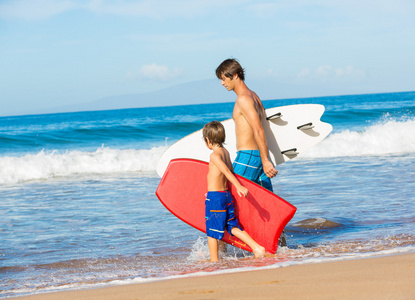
62, 52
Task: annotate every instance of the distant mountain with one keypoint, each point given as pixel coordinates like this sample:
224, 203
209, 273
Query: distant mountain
198, 92
206, 91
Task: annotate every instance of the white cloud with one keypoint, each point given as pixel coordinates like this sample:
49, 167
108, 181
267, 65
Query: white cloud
42, 9
350, 71
272, 73
156, 72
36, 9
161, 8
304, 73
324, 71
327, 71
263, 10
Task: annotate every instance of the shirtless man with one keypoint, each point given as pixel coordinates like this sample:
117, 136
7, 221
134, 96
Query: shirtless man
252, 160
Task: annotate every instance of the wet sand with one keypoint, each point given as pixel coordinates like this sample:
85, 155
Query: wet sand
386, 277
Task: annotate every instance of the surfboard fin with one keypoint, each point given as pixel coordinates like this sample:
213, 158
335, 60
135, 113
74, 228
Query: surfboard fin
290, 152
307, 126
274, 116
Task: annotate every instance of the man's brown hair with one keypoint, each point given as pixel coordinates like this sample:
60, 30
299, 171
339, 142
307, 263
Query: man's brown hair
214, 132
229, 68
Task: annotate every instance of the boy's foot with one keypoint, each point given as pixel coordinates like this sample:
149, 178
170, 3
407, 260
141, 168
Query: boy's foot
259, 251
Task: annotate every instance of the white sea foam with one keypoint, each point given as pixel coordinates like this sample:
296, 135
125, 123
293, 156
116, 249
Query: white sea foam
44, 165
388, 137
212, 271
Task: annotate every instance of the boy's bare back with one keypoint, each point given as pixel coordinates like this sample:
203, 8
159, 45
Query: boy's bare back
216, 178
220, 165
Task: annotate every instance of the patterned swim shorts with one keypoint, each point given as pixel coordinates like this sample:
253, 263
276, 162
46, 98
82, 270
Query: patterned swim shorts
219, 213
248, 164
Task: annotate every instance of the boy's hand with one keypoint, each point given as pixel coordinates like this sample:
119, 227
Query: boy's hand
242, 191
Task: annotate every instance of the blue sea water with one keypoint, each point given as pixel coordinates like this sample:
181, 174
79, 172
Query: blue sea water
78, 207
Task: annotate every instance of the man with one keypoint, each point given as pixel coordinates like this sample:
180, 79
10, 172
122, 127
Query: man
252, 160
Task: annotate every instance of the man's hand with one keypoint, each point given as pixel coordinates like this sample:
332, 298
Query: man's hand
269, 169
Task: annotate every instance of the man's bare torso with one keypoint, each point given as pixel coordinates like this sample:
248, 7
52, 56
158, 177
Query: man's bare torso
245, 139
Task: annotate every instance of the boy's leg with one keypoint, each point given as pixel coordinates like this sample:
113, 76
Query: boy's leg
215, 214
257, 249
213, 248
222, 247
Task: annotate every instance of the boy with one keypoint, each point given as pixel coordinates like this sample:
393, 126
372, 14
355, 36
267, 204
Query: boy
219, 203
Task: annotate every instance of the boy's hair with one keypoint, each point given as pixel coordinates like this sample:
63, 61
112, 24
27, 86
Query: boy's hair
215, 132
229, 68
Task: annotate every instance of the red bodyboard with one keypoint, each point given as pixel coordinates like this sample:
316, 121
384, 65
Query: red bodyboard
262, 214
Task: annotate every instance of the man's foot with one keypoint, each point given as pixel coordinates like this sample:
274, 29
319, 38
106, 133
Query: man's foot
282, 241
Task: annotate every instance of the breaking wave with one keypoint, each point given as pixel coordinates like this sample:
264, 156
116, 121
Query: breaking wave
44, 165
389, 137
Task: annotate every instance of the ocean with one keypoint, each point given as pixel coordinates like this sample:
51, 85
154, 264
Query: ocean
78, 207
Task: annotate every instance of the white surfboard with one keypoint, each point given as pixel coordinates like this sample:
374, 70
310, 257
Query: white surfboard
290, 131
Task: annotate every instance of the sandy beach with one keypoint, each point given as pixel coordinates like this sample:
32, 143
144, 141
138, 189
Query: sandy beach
386, 277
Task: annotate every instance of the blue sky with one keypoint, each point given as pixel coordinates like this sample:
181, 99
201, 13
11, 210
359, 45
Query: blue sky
72, 52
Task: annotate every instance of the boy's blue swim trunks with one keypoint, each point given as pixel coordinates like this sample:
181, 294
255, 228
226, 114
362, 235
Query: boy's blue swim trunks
248, 164
219, 213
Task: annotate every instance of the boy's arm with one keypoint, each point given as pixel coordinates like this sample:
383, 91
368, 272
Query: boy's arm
220, 164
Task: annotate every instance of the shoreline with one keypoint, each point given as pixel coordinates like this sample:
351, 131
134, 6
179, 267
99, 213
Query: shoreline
380, 277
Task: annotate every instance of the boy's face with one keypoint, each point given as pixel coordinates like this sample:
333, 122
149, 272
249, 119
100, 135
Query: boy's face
208, 143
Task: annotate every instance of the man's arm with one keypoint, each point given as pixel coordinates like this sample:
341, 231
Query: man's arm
247, 109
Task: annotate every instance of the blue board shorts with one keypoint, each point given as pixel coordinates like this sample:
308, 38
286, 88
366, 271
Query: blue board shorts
248, 164
219, 213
